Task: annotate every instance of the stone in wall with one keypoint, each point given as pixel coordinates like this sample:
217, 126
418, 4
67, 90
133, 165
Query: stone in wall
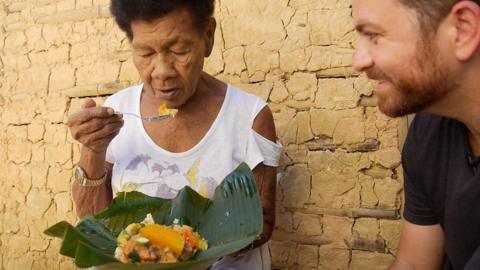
390, 231
333, 190
307, 224
295, 186
307, 256
366, 233
332, 258
339, 230
325, 27
388, 191
234, 60
128, 72
362, 260
283, 253
286, 128
238, 31
62, 77
284, 219
38, 202
302, 86
279, 92
367, 192
336, 94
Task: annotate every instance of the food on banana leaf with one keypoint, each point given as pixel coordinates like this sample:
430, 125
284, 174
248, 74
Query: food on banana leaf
149, 242
222, 220
163, 110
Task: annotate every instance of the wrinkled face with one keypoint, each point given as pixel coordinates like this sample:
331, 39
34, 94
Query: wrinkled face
169, 54
392, 50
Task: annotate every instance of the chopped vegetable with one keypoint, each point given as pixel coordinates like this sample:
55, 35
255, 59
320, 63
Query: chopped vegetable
150, 242
163, 110
142, 241
163, 236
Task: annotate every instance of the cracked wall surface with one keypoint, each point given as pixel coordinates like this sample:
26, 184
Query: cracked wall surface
339, 194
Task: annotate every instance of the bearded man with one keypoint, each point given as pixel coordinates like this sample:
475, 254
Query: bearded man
425, 56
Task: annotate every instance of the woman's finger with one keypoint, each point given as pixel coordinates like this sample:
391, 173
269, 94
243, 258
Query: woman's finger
106, 130
88, 114
102, 143
97, 124
89, 103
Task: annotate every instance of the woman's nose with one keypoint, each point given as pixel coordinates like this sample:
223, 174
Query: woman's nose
163, 69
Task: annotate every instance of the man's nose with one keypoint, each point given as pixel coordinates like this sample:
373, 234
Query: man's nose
362, 59
163, 68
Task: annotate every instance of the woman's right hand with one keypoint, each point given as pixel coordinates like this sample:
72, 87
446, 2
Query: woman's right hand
95, 127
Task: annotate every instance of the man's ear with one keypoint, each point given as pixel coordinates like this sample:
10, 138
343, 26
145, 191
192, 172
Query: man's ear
466, 17
210, 36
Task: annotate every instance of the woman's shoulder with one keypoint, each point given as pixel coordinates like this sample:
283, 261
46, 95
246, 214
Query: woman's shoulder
240, 99
244, 105
244, 98
123, 97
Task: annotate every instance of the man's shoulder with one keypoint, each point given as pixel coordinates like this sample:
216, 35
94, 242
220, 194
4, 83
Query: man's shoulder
429, 132
429, 121
427, 125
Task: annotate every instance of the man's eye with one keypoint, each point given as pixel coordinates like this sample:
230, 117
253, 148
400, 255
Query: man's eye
371, 35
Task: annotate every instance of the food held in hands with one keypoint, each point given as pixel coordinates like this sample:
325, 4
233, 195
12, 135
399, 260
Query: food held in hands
147, 242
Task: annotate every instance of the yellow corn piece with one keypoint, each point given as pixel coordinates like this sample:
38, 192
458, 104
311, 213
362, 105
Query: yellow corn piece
164, 236
163, 110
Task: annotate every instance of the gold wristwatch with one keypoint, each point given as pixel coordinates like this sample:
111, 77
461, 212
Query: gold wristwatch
82, 180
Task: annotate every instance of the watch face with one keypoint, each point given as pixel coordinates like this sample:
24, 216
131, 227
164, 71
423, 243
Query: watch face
79, 174
82, 179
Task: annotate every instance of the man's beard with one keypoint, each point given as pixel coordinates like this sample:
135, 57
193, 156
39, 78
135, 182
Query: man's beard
425, 82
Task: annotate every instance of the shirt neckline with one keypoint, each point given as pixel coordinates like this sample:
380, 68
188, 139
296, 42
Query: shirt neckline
196, 147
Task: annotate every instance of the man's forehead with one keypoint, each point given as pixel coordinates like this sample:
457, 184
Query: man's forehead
366, 12
377, 13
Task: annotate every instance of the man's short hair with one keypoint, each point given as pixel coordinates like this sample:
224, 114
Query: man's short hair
126, 11
432, 12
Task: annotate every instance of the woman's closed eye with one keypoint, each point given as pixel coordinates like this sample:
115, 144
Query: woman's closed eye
181, 56
147, 54
180, 52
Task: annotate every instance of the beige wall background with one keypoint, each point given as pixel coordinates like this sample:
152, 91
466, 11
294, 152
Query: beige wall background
339, 196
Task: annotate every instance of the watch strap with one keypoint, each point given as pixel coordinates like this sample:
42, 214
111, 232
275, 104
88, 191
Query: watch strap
82, 179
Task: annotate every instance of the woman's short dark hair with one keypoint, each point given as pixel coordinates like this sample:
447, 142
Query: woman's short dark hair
126, 11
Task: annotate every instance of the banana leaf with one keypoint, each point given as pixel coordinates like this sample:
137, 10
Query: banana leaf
230, 221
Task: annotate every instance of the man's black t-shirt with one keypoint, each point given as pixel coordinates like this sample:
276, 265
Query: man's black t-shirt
442, 186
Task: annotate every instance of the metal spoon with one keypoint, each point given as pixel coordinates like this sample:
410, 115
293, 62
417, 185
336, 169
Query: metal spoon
150, 118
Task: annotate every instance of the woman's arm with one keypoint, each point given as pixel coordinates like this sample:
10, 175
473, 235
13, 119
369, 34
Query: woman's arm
266, 177
94, 127
91, 200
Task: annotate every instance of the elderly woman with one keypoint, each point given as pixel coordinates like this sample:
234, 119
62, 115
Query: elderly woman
217, 126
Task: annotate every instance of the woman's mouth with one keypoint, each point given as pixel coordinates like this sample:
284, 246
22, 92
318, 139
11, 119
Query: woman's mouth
167, 94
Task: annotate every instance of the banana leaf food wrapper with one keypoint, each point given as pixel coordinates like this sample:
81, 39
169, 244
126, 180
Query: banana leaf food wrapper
224, 224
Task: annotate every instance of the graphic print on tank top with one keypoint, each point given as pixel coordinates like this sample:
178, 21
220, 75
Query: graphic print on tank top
167, 179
